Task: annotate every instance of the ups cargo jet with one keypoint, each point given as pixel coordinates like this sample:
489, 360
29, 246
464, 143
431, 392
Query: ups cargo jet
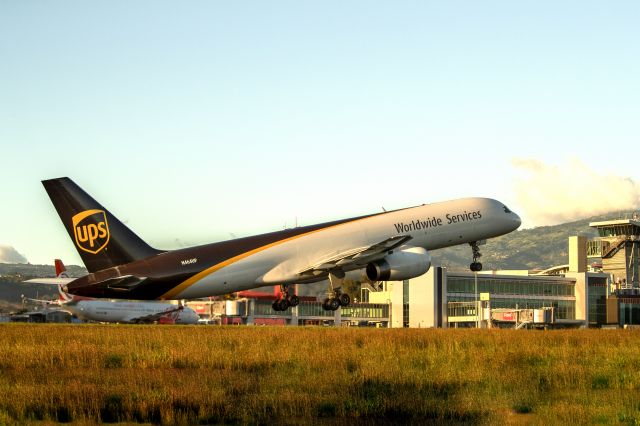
391, 245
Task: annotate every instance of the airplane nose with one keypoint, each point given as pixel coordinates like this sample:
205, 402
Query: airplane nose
516, 221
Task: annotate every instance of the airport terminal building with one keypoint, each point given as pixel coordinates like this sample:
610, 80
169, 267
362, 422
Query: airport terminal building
498, 298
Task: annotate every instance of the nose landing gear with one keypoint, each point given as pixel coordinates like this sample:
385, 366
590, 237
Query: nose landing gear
475, 265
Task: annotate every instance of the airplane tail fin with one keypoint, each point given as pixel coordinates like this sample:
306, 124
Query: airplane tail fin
100, 238
61, 270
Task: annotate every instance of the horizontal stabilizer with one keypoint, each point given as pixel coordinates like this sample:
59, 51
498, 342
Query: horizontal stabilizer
125, 283
50, 281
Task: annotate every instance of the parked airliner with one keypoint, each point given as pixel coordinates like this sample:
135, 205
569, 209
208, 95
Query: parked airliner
120, 311
391, 245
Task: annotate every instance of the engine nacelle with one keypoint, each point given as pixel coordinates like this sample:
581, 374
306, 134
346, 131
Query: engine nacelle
400, 265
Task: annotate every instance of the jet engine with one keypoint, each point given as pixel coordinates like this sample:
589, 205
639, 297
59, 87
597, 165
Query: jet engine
400, 265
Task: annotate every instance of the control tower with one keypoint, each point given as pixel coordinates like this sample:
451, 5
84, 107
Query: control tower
619, 247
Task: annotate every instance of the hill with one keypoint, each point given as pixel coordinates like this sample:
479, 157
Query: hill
38, 271
12, 286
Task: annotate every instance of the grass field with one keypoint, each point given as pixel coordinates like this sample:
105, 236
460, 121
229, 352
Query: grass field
258, 375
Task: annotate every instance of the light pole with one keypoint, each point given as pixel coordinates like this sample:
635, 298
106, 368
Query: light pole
475, 298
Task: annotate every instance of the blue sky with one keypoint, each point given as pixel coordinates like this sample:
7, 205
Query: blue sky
195, 121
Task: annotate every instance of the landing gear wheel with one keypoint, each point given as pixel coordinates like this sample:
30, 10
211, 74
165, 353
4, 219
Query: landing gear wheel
334, 304
325, 304
331, 304
476, 267
280, 305
293, 300
283, 304
344, 299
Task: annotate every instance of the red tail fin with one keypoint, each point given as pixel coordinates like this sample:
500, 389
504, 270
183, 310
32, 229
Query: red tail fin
61, 271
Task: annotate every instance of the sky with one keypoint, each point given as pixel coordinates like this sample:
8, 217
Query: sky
202, 121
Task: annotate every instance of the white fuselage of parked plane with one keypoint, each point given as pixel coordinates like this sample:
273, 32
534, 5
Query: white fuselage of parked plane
430, 226
128, 311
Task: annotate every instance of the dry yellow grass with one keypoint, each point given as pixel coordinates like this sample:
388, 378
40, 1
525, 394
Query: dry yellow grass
208, 374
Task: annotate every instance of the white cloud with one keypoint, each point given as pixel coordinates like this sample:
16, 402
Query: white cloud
554, 194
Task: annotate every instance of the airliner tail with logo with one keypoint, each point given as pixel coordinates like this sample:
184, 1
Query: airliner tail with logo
390, 245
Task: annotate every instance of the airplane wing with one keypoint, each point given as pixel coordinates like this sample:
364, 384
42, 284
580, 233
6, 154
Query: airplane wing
54, 281
155, 317
357, 258
123, 283
44, 301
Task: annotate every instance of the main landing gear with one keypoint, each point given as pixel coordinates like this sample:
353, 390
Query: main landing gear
336, 297
475, 265
336, 300
286, 300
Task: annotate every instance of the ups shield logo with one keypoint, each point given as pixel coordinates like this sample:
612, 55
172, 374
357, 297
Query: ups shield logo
91, 230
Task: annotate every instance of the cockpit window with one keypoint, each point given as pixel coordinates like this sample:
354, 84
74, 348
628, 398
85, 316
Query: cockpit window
506, 209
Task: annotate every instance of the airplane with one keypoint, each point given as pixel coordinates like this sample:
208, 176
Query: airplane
384, 246
121, 311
